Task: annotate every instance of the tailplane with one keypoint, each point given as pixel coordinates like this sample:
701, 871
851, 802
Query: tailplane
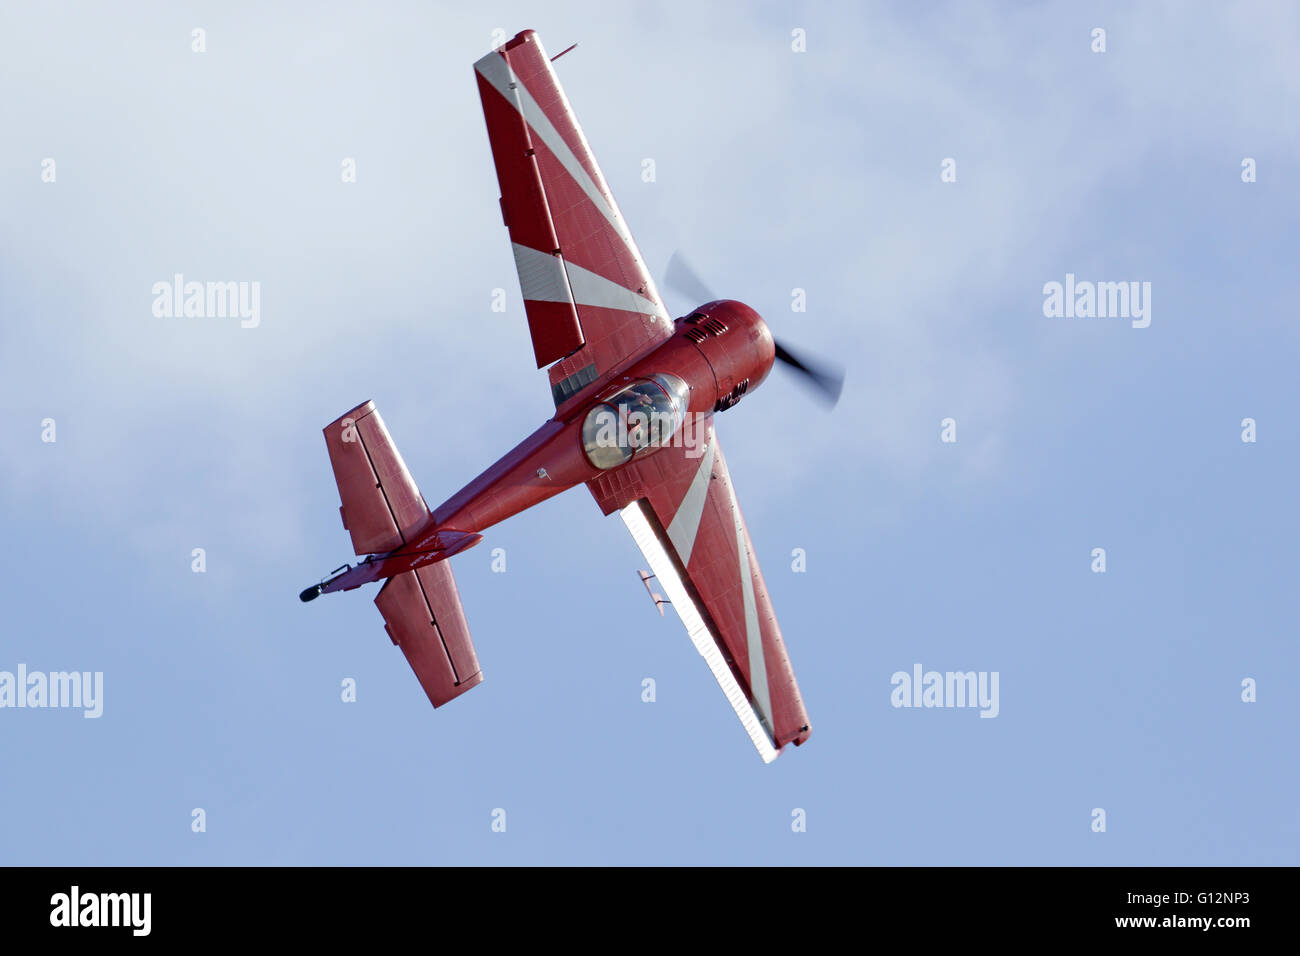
423, 616
381, 508
385, 513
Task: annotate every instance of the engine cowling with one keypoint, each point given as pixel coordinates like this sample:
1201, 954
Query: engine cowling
736, 343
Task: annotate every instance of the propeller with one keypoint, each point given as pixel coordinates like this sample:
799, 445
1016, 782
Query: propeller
682, 278
826, 380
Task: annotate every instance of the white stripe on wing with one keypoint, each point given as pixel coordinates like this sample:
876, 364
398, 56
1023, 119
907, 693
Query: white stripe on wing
502, 78
686, 521
661, 565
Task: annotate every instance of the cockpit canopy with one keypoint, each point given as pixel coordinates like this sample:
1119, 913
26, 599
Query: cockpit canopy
643, 416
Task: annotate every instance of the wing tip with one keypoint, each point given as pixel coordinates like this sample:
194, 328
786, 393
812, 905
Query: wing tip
519, 39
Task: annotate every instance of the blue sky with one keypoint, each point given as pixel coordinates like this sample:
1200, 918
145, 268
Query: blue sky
775, 170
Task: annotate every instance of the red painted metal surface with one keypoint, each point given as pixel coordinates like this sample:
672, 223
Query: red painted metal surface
593, 312
558, 204
704, 534
423, 616
381, 504
714, 547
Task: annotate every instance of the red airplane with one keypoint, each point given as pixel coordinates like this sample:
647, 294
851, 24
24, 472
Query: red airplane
635, 398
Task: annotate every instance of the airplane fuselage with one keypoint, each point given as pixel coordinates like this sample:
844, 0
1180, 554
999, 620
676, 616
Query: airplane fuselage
717, 366
721, 351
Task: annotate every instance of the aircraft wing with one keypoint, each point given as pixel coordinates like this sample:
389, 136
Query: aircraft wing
592, 306
681, 509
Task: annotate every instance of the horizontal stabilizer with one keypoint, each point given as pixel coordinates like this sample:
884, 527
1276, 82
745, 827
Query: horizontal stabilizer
423, 616
381, 505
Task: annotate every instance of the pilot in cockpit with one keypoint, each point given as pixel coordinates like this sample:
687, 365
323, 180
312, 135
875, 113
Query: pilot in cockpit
638, 427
